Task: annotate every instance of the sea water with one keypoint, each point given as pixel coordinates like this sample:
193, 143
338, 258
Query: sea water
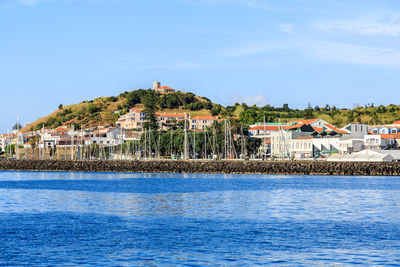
130, 219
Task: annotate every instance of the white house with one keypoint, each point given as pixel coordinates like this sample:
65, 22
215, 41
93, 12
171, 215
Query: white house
324, 147
106, 137
302, 147
347, 146
380, 141
357, 131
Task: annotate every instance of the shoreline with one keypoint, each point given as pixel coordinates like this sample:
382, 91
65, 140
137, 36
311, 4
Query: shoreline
223, 167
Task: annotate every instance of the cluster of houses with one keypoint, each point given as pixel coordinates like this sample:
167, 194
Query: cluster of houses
64, 137
302, 139
318, 139
136, 118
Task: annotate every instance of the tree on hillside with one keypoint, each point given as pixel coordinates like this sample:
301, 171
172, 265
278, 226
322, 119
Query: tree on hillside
60, 106
248, 116
92, 108
135, 97
308, 114
150, 105
216, 109
285, 108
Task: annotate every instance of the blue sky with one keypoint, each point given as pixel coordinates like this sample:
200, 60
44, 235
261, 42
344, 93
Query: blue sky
273, 51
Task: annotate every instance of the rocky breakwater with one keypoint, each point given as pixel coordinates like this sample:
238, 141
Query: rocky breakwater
176, 166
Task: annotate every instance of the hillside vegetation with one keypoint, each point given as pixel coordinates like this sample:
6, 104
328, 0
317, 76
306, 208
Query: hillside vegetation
368, 114
107, 110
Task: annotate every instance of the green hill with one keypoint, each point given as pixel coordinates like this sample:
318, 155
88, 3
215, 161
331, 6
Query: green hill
107, 110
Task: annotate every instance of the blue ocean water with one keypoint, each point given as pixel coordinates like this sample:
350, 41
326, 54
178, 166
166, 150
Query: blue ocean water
125, 219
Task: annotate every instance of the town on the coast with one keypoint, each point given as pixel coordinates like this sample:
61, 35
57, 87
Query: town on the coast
152, 129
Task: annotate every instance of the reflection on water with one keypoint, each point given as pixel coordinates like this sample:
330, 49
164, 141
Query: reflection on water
116, 219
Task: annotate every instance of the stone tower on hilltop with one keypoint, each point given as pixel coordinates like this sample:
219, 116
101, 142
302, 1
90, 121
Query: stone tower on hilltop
156, 85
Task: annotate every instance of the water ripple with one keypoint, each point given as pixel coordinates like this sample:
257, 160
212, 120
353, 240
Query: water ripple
131, 219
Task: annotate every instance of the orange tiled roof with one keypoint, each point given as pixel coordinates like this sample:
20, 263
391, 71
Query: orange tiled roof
319, 130
165, 88
293, 126
333, 128
309, 121
170, 115
396, 122
389, 136
61, 129
136, 109
205, 118
265, 128
275, 127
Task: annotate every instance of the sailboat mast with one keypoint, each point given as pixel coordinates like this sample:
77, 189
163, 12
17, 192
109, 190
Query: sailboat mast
185, 148
205, 142
17, 146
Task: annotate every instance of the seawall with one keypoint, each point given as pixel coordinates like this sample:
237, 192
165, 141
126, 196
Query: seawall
176, 166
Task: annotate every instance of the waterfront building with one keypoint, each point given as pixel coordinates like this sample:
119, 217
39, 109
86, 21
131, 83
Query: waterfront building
302, 147
106, 137
201, 122
5, 140
350, 145
356, 130
381, 141
313, 138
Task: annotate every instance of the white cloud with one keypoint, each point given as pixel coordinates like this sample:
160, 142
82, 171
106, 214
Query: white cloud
378, 25
258, 100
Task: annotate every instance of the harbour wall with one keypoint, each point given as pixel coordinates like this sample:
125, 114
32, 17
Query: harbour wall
237, 167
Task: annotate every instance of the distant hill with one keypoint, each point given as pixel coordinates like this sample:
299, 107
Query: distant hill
107, 110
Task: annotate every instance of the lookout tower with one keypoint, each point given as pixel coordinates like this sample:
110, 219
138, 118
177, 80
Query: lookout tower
156, 85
